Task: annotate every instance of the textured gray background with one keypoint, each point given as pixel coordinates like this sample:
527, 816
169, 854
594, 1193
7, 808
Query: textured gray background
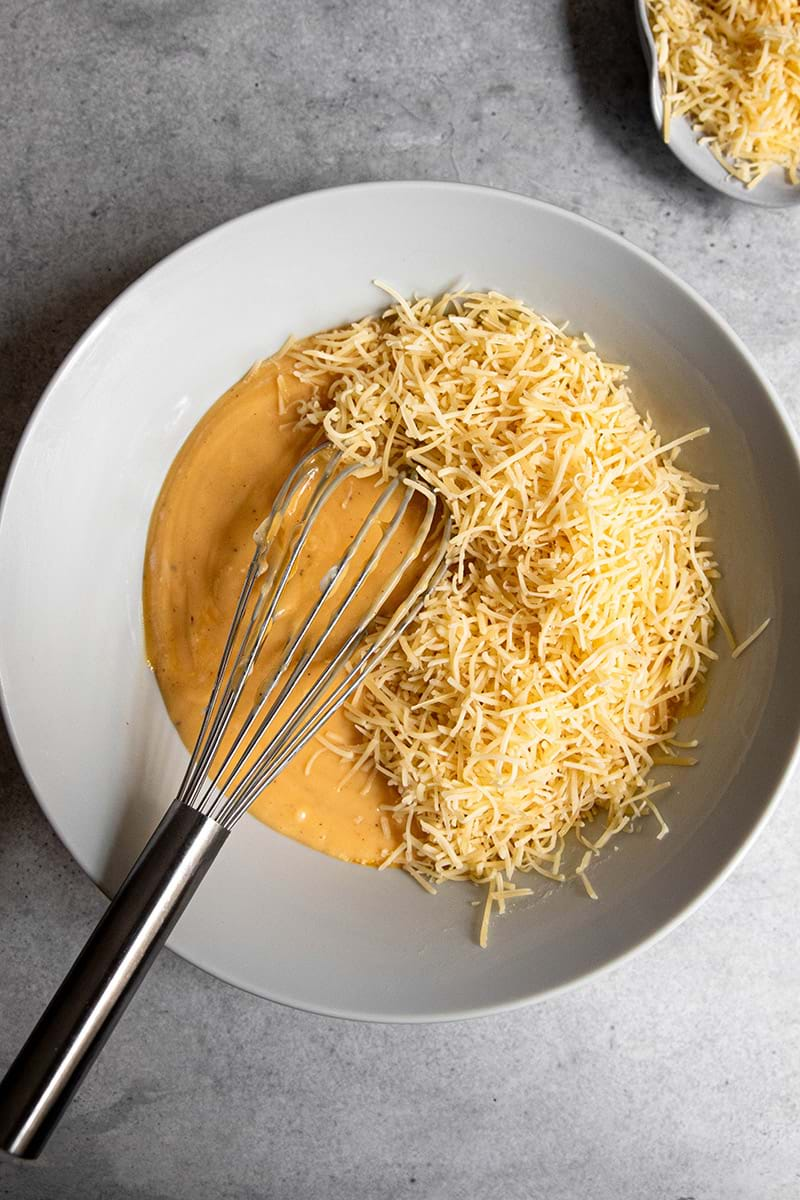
129, 128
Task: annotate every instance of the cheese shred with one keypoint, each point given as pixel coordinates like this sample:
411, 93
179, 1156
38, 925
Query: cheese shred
547, 671
748, 641
733, 68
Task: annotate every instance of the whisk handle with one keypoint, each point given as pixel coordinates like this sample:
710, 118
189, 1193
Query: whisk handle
75, 1025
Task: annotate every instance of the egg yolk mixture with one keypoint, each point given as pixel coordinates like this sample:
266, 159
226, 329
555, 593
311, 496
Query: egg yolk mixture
200, 544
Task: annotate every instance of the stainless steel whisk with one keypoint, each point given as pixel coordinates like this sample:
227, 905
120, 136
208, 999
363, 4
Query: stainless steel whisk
318, 669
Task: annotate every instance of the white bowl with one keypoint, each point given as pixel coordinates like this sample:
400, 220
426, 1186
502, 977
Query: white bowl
774, 191
83, 708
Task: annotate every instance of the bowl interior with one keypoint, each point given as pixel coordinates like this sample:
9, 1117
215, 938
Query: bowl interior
84, 709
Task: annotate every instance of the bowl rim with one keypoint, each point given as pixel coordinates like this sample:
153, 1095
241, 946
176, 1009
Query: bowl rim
767, 807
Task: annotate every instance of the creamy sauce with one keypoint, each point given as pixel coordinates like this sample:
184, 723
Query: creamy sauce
218, 490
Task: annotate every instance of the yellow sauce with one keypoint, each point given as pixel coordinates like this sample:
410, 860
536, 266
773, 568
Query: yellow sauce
218, 490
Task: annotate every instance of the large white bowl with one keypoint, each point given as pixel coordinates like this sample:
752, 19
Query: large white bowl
84, 711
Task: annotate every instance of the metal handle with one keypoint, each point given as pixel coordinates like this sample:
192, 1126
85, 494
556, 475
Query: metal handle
76, 1023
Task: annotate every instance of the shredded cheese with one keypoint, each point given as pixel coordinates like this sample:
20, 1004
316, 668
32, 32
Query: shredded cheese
584, 878
748, 641
498, 893
733, 68
549, 667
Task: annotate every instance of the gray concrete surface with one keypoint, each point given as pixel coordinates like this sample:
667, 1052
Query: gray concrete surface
130, 127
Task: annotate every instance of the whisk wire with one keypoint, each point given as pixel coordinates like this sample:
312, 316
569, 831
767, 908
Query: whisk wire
276, 574
273, 766
308, 658
224, 790
292, 730
276, 578
200, 757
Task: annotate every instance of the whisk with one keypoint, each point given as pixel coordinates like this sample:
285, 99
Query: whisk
321, 663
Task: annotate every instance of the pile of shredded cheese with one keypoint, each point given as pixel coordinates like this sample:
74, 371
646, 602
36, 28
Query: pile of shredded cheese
545, 674
733, 67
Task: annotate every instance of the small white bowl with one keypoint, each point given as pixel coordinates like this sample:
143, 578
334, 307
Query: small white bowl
774, 191
83, 708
